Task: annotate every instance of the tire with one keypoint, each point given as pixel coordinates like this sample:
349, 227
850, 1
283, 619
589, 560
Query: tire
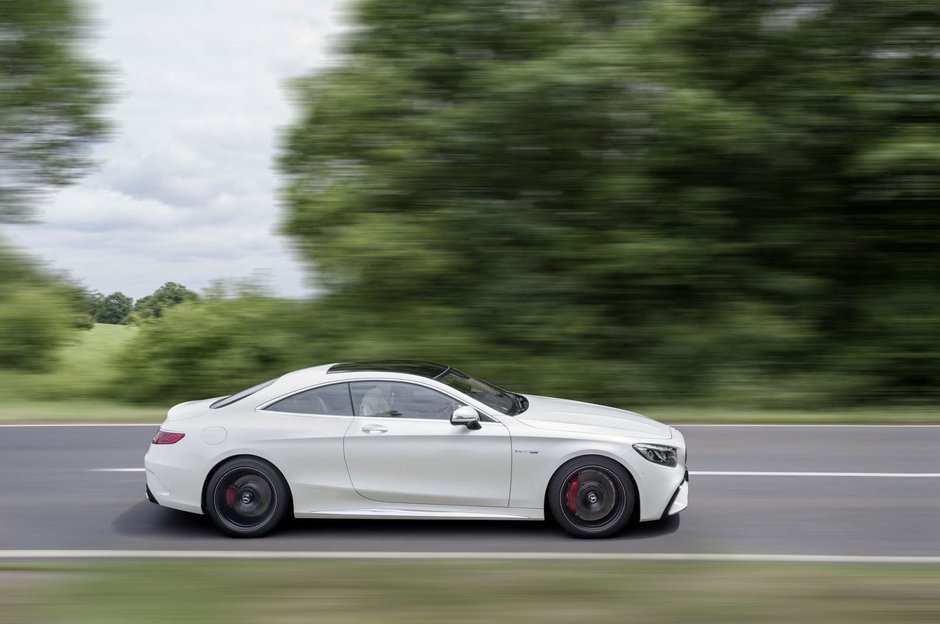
247, 497
591, 497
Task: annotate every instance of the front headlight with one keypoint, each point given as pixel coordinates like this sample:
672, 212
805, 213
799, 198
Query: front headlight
658, 454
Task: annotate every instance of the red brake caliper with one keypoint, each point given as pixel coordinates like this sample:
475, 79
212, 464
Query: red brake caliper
571, 495
230, 495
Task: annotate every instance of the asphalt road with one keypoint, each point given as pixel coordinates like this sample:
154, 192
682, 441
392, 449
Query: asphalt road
52, 498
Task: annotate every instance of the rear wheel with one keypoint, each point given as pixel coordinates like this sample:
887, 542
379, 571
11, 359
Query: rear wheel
247, 497
591, 497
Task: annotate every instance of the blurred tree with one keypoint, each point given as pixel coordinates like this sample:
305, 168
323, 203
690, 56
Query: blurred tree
154, 306
112, 309
51, 95
50, 99
76, 296
33, 324
720, 200
211, 347
38, 313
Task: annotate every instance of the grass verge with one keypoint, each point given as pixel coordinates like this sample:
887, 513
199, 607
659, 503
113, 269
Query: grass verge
468, 591
81, 411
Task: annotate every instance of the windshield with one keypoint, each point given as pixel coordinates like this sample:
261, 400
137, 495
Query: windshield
484, 392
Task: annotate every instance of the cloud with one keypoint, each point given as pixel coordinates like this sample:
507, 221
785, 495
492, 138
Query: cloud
185, 191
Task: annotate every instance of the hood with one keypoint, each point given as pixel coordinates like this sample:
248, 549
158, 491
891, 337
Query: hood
575, 416
190, 409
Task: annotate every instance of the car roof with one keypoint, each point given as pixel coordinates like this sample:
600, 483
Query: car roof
407, 367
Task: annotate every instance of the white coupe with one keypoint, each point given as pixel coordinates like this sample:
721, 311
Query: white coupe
402, 439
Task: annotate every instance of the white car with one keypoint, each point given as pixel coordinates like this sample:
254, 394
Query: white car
403, 439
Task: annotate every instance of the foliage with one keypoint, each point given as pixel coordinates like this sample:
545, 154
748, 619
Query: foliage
51, 95
112, 309
633, 201
38, 311
33, 324
210, 347
155, 305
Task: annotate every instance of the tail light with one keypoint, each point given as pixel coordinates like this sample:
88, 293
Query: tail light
167, 437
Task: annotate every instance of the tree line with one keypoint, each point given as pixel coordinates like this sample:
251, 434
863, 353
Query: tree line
120, 309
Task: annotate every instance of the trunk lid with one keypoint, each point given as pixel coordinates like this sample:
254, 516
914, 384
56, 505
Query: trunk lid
189, 409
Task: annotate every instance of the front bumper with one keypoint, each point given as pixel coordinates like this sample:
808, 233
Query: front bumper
680, 498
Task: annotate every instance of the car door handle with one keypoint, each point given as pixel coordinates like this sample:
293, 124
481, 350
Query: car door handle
374, 429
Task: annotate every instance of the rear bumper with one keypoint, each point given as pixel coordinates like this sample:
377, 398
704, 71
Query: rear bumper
174, 478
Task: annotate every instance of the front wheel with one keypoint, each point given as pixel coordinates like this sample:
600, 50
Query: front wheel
591, 497
247, 497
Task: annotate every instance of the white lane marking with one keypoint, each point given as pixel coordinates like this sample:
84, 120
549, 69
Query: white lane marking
117, 470
875, 475
326, 555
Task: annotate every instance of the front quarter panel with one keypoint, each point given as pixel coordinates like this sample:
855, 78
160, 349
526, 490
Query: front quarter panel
537, 455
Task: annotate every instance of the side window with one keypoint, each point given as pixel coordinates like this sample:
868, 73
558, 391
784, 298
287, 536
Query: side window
396, 399
329, 400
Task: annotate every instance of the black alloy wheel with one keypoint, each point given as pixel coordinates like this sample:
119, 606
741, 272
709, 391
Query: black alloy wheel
247, 497
591, 497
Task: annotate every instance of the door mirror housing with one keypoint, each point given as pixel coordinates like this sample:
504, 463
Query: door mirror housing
466, 416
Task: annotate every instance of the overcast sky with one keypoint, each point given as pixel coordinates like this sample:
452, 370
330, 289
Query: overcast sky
185, 190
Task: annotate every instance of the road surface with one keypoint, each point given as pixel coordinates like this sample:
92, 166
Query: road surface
769, 490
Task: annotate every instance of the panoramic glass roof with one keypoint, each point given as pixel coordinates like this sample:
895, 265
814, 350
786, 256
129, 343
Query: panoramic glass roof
409, 367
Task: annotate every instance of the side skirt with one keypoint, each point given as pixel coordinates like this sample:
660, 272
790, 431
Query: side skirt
430, 514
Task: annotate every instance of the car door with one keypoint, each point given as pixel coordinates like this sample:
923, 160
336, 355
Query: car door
402, 448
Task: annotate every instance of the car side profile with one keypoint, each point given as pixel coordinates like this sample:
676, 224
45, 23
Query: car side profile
404, 439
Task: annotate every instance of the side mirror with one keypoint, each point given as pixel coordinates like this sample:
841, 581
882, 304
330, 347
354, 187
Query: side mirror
467, 416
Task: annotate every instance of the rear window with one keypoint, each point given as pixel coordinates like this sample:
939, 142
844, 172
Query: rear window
331, 400
238, 396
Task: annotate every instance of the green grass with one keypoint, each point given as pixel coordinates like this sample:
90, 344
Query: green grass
85, 371
85, 368
467, 591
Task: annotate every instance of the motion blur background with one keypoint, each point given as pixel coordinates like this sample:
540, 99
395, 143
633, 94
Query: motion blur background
708, 203
710, 209
724, 203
